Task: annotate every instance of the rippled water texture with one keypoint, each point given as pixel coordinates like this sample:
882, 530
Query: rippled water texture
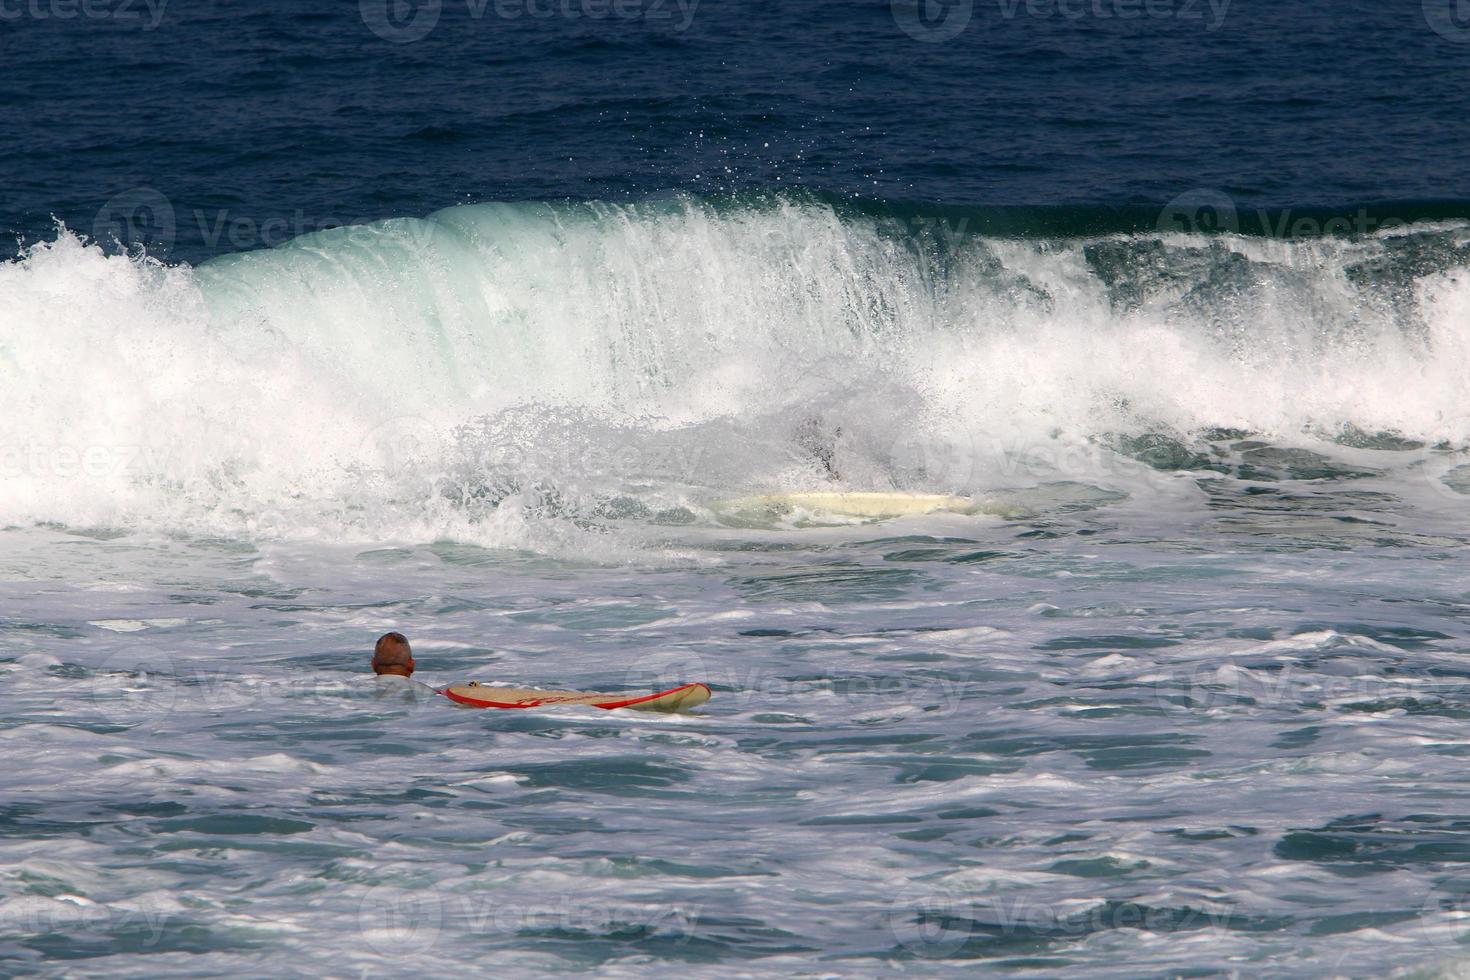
1214, 726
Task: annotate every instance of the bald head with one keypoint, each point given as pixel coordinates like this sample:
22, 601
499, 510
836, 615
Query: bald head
393, 655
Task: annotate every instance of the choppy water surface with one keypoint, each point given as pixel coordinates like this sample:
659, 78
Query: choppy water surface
1175, 721
470, 319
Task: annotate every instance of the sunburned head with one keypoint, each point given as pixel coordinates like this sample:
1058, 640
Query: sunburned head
392, 655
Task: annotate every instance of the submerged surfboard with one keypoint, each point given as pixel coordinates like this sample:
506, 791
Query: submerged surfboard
862, 504
477, 696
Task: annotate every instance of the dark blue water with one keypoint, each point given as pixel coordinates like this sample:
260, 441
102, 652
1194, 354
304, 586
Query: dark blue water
201, 127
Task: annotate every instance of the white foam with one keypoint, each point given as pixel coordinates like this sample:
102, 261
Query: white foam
395, 381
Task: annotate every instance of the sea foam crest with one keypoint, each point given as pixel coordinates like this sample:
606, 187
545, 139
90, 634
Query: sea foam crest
421, 376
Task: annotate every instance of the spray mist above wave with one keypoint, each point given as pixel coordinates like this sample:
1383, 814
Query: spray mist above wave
421, 377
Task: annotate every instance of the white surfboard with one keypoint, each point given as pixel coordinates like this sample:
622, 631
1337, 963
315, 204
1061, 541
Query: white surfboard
859, 504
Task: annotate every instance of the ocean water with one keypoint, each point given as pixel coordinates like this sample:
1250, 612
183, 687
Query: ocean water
205, 127
492, 328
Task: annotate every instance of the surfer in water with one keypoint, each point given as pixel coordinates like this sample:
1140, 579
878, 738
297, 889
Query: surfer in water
393, 663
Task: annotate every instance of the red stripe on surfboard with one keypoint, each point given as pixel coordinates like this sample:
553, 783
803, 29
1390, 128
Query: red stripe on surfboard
542, 702
654, 697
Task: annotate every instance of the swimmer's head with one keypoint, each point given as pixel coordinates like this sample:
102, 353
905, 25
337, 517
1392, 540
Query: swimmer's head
393, 655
